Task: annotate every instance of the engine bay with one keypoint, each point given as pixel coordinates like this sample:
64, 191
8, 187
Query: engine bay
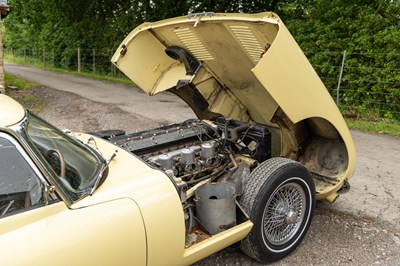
207, 161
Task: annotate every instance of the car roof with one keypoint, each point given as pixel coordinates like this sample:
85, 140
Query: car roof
11, 112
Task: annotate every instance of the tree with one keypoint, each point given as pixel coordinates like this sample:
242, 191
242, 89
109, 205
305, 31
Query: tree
369, 30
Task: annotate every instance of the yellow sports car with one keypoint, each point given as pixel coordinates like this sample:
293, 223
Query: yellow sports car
268, 142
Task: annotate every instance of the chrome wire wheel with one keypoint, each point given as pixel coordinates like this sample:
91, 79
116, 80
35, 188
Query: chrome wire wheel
280, 199
284, 213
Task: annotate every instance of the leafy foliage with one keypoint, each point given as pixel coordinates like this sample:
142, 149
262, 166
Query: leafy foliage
368, 30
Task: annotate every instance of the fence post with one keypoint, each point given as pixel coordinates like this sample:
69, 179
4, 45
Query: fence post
79, 60
340, 78
94, 60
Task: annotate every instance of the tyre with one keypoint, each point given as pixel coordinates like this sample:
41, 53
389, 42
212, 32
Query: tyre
280, 199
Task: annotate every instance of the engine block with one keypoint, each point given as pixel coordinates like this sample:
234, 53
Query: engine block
196, 148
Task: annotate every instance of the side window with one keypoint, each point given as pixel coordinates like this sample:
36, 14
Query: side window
20, 186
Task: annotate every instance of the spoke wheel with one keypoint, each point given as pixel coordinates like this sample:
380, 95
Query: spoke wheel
283, 213
279, 198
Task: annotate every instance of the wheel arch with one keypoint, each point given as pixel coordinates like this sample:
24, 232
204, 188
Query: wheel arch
324, 147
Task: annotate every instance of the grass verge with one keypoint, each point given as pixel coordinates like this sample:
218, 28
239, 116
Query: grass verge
381, 127
98, 76
93, 75
22, 91
15, 82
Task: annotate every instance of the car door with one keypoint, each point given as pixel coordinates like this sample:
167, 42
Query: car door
35, 233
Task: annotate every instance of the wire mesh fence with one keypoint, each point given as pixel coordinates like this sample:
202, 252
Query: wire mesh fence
74, 59
363, 84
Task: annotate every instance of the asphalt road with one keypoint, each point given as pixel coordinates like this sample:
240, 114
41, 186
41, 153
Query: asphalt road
125, 97
372, 206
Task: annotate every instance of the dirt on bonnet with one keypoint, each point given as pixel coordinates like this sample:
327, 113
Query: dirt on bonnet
361, 228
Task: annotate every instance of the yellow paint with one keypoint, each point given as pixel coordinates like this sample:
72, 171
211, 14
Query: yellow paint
11, 112
233, 80
110, 233
300, 92
155, 195
216, 243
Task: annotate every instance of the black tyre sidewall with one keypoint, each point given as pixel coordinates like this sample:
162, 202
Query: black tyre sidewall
290, 173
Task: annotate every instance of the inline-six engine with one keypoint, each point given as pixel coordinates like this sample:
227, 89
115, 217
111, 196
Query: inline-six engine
194, 149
